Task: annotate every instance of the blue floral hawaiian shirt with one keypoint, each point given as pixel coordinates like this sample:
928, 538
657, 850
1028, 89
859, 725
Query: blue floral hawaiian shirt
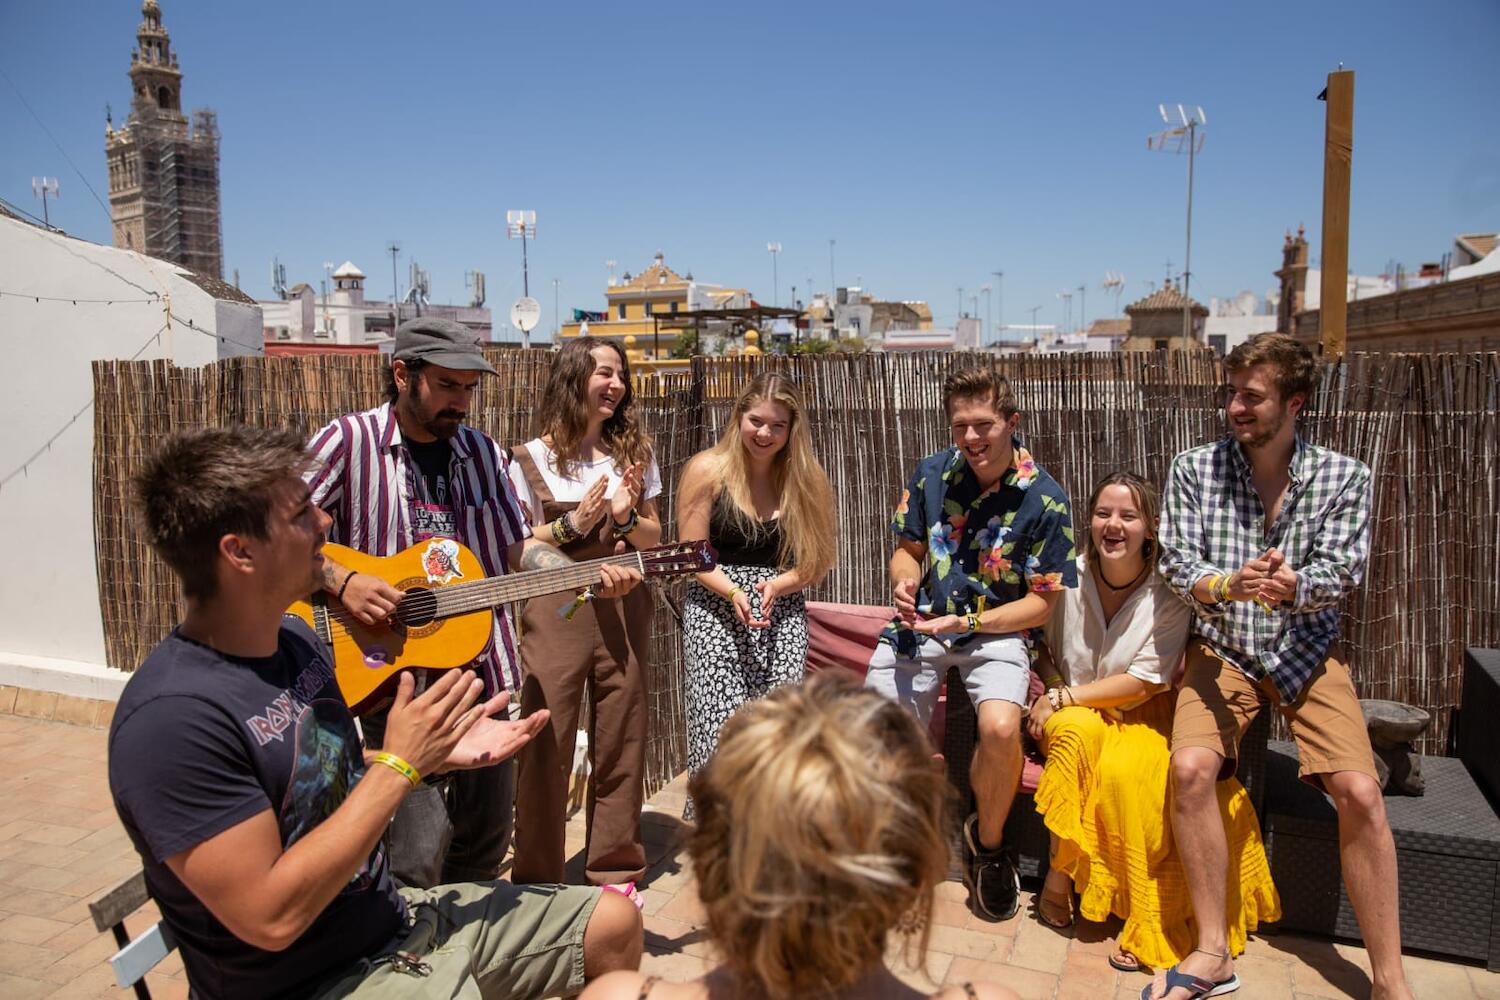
984, 547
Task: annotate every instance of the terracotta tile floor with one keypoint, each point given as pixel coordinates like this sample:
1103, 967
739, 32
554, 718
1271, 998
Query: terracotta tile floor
60, 844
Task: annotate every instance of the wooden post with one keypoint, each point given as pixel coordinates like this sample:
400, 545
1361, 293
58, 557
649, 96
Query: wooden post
1338, 151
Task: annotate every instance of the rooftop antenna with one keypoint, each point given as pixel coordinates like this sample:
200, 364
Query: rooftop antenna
393, 249
41, 187
278, 277
474, 281
1067, 298
1182, 136
1114, 284
611, 264
521, 224
327, 281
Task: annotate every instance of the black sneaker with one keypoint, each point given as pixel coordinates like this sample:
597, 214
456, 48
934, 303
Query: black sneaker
989, 873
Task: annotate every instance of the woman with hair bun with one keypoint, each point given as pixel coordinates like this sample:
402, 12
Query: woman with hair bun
806, 909
762, 500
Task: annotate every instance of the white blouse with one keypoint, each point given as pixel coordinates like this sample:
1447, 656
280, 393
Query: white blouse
1145, 638
571, 489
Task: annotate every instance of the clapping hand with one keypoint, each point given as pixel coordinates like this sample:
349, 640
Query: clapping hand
628, 494
591, 508
768, 590
1280, 582
941, 625
491, 740
905, 595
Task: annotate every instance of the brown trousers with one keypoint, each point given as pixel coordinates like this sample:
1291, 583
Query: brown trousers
601, 652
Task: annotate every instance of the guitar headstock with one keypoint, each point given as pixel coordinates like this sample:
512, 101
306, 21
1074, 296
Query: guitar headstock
679, 558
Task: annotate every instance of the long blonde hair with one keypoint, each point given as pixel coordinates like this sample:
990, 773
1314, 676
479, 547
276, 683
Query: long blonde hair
563, 414
809, 534
821, 822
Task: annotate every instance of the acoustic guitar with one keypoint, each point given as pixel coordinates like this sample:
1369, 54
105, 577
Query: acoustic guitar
445, 620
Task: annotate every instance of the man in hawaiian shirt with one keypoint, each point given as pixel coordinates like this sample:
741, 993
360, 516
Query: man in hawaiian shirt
984, 548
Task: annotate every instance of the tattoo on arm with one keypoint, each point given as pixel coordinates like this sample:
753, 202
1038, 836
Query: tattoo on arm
542, 556
330, 575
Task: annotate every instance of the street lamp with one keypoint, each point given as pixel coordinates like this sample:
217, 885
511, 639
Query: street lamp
1000, 294
989, 330
774, 249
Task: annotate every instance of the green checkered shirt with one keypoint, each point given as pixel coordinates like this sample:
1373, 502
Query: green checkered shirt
1213, 522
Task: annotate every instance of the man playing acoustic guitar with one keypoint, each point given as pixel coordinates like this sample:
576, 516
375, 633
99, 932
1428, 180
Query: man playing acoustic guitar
237, 771
402, 473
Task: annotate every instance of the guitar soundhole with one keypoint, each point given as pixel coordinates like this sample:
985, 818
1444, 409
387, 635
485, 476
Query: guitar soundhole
417, 608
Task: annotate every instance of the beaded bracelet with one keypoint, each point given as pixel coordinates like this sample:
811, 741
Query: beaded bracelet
621, 530
563, 531
398, 765
345, 586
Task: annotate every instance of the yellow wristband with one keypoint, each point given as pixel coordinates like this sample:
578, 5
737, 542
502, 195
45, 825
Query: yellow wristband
398, 765
732, 591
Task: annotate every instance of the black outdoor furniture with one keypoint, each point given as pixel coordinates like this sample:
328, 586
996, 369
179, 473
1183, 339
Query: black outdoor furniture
1479, 720
1447, 858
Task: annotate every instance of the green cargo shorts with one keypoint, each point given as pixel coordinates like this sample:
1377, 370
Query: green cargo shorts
477, 940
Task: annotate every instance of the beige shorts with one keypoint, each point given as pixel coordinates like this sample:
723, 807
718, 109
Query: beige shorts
1218, 702
500, 939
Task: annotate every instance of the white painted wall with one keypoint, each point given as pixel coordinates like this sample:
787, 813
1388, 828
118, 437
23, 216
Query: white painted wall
49, 598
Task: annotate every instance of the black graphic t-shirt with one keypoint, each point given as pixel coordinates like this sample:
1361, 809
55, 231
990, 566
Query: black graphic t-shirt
432, 512
202, 741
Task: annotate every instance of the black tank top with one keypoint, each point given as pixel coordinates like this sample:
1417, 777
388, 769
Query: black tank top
735, 547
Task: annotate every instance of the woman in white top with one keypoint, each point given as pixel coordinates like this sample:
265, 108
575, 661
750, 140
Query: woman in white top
589, 484
1106, 725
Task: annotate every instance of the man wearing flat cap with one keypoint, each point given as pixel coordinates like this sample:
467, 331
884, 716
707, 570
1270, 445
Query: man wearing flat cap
402, 473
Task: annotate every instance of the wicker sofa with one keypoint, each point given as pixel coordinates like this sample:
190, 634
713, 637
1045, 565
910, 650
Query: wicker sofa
844, 636
1447, 840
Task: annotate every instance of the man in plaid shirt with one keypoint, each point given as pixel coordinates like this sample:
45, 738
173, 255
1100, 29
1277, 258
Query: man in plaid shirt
1264, 533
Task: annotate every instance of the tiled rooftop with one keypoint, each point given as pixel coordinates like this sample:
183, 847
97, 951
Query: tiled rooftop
60, 844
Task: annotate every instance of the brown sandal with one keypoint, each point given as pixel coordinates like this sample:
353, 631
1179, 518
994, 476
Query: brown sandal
1055, 909
1125, 961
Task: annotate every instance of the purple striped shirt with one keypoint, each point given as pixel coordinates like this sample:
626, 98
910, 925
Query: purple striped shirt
366, 480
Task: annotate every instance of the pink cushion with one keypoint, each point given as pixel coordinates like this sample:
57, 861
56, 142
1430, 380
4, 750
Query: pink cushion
845, 636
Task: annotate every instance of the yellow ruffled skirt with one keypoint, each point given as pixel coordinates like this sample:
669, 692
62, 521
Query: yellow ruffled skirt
1105, 794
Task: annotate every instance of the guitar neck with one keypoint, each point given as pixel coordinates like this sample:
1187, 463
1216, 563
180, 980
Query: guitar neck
492, 592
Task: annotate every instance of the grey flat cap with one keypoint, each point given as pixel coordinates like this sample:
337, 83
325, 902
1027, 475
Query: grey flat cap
440, 342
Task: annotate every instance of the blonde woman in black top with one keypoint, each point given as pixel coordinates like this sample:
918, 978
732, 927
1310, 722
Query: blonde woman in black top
762, 500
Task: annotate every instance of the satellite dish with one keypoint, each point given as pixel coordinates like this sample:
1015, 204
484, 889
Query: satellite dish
525, 314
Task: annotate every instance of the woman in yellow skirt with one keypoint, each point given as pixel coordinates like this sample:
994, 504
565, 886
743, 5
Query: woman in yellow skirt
1106, 726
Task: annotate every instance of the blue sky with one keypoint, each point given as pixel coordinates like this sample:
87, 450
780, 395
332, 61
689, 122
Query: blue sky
935, 143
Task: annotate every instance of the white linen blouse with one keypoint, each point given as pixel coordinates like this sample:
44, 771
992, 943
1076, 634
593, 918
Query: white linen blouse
1145, 638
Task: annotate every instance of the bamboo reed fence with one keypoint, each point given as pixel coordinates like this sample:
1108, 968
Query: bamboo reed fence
1426, 424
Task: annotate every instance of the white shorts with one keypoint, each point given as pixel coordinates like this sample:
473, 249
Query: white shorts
997, 667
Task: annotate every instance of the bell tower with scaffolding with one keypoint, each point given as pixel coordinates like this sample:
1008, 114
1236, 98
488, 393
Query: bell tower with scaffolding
163, 167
